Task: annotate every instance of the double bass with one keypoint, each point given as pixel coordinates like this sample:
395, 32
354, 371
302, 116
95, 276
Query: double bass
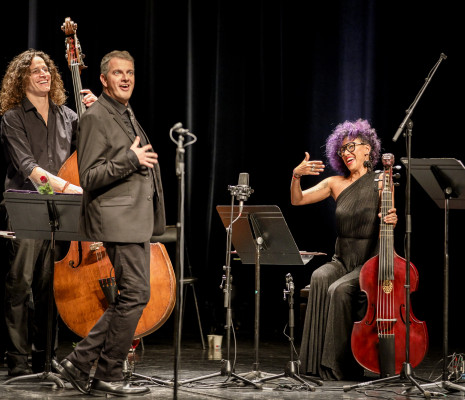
84, 282
379, 340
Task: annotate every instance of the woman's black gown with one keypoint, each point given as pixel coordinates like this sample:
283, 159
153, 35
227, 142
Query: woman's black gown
335, 301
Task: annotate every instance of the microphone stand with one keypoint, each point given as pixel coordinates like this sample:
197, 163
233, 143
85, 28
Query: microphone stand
407, 124
407, 370
226, 368
179, 265
292, 366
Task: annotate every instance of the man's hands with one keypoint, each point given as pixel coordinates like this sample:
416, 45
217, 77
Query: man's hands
145, 154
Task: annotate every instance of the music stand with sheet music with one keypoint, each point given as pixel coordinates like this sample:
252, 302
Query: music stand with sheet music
261, 236
47, 217
443, 179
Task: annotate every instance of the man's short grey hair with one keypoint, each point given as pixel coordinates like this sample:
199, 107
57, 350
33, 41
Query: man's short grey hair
114, 54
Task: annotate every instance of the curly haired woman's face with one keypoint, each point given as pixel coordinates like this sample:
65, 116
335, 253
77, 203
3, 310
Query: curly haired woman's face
39, 79
359, 153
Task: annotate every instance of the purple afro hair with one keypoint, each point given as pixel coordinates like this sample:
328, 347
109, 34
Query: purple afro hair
360, 128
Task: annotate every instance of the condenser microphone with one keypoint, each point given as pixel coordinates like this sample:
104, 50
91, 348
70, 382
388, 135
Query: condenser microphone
290, 283
243, 187
243, 190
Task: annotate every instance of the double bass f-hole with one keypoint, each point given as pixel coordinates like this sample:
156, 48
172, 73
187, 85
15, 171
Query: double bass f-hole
96, 247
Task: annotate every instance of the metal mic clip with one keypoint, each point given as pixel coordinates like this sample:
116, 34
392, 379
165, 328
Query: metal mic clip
179, 129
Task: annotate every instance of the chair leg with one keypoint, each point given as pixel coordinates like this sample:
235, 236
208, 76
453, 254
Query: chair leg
191, 284
198, 316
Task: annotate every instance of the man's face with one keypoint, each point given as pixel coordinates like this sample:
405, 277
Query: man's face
39, 80
119, 82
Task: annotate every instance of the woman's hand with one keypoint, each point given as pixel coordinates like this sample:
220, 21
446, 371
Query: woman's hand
307, 167
391, 217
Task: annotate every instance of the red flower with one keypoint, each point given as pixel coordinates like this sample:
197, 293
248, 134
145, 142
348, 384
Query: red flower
43, 179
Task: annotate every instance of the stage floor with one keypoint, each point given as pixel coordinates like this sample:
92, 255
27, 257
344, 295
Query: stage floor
155, 367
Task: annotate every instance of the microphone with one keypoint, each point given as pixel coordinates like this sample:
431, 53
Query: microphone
242, 191
179, 129
290, 283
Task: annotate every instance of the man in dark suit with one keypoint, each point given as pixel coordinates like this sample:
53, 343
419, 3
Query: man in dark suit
122, 206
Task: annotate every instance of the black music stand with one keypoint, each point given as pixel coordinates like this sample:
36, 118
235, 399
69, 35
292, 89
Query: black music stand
443, 179
48, 217
261, 236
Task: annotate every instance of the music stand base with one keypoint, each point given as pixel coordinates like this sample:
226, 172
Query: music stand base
405, 374
128, 373
153, 379
226, 370
452, 387
291, 372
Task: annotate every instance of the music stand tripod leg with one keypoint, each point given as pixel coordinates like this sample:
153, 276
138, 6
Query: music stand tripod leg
446, 187
226, 367
47, 374
406, 374
128, 373
291, 370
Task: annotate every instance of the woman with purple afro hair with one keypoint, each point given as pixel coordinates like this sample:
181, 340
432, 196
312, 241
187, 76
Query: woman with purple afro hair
335, 300
359, 129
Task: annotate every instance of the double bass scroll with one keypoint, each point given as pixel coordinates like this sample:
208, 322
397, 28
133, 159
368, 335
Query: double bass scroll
75, 58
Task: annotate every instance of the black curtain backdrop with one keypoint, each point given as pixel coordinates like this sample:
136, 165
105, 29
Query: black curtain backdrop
260, 83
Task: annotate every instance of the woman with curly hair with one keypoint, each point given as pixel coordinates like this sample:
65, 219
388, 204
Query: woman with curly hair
36, 131
335, 301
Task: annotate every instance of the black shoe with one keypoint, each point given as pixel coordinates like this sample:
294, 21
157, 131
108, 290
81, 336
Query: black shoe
77, 378
18, 365
20, 370
119, 388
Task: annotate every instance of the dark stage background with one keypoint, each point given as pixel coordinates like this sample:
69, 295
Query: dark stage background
260, 83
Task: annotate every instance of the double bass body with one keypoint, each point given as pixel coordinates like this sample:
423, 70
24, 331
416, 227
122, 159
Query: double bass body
81, 301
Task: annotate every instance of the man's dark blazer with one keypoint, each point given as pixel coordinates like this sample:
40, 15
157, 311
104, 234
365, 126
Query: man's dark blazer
118, 203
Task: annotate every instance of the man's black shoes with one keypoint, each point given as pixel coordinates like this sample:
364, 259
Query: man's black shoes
119, 388
18, 365
20, 370
76, 377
